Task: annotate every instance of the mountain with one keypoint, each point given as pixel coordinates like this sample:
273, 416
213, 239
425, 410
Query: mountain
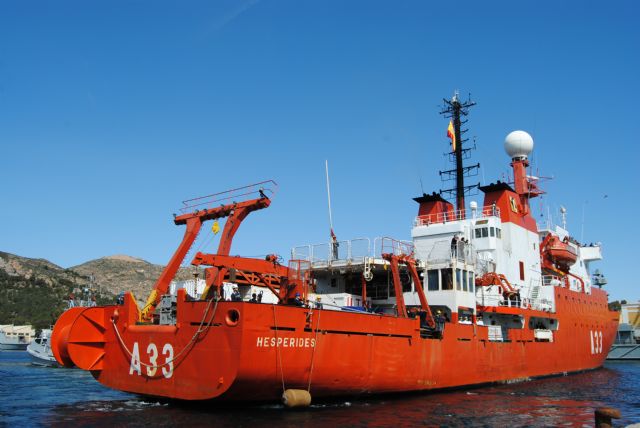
35, 291
125, 273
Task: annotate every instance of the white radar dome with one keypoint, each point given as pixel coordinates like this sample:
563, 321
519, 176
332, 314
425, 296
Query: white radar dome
518, 144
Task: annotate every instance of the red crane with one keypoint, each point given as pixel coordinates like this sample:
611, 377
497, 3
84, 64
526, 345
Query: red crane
195, 212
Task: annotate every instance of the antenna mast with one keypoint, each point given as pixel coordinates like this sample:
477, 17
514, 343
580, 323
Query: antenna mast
326, 169
454, 110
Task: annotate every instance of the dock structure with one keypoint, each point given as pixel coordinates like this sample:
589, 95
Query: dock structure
627, 344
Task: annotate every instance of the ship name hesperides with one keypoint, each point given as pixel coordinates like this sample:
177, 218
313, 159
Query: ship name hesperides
285, 342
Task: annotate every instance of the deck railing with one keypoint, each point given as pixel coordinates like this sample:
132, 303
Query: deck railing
449, 216
266, 188
552, 280
350, 251
324, 254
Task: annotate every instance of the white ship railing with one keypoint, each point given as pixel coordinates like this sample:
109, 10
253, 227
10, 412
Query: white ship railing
532, 300
552, 280
334, 253
353, 251
388, 245
444, 252
449, 216
484, 266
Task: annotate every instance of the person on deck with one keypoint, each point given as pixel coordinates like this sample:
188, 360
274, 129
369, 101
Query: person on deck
454, 246
440, 320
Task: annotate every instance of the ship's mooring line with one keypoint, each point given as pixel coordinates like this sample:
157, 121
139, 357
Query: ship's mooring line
313, 353
275, 322
188, 345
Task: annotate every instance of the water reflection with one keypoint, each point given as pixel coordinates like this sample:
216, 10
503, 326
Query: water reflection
70, 397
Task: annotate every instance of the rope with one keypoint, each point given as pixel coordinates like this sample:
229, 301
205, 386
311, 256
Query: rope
275, 322
187, 255
207, 239
313, 353
191, 342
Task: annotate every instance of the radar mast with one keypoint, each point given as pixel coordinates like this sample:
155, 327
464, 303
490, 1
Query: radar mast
454, 109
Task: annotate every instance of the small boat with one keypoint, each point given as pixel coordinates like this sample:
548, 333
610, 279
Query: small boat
15, 337
40, 350
561, 253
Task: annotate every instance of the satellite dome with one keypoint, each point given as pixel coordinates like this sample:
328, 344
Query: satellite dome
518, 144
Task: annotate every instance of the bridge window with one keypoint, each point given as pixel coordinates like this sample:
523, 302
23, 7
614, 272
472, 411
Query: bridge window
465, 280
378, 288
447, 279
458, 279
471, 282
492, 231
353, 284
498, 233
478, 233
433, 280
485, 232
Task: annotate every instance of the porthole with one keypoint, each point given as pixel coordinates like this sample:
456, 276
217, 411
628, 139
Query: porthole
232, 318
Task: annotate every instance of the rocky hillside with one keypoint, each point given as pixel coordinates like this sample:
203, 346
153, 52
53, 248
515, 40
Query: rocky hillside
35, 291
125, 273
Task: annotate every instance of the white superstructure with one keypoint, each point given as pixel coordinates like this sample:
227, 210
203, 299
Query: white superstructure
470, 260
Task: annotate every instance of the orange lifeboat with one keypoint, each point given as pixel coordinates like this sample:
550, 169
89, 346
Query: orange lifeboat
559, 252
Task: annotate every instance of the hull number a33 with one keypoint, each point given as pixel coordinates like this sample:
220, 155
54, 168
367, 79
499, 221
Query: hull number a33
152, 367
596, 342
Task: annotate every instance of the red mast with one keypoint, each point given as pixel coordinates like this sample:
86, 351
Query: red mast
519, 145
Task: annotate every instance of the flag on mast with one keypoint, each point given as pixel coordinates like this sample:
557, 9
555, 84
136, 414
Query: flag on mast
451, 133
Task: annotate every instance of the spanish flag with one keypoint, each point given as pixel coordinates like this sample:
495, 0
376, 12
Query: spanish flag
451, 133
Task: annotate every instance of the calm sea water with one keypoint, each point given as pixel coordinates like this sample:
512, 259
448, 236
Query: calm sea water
37, 396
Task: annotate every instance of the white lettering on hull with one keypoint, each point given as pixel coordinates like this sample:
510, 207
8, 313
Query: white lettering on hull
285, 342
152, 367
596, 342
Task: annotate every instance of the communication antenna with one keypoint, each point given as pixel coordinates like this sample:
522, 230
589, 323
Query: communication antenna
454, 110
326, 169
582, 225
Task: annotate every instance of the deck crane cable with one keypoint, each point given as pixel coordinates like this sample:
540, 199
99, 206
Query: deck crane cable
205, 241
188, 345
275, 331
208, 238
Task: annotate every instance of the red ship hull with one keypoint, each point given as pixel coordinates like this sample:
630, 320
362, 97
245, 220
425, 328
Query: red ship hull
250, 351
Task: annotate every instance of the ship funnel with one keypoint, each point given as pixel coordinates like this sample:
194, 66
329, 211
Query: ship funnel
518, 145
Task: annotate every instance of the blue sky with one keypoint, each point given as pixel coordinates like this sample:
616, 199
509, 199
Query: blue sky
111, 113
